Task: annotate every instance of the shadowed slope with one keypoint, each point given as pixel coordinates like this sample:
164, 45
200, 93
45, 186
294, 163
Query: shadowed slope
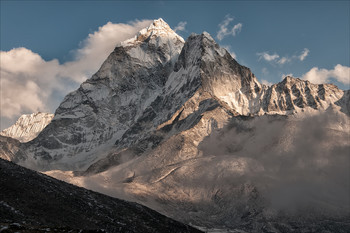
36, 199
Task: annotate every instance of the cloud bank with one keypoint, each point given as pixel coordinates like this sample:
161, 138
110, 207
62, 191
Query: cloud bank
339, 73
225, 30
30, 84
296, 163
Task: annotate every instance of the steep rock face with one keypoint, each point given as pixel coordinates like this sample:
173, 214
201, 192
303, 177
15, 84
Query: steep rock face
92, 118
27, 127
295, 95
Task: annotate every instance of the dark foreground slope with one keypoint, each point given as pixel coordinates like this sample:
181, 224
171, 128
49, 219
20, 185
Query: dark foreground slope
29, 198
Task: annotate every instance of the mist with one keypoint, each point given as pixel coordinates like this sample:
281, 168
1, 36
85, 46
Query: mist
296, 163
266, 167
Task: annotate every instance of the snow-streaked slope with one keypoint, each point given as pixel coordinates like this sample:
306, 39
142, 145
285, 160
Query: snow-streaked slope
27, 127
89, 120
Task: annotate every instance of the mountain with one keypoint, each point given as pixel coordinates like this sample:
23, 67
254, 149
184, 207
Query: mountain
145, 83
27, 127
183, 128
49, 203
92, 118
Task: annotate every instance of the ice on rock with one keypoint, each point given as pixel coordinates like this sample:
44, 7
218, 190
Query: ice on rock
27, 127
158, 29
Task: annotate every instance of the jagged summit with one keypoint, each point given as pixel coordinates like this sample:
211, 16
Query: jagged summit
208, 36
28, 126
158, 29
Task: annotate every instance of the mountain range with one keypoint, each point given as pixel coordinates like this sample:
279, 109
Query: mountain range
181, 127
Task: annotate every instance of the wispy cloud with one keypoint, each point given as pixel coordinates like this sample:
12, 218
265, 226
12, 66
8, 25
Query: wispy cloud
268, 57
339, 72
33, 84
181, 26
274, 58
284, 60
225, 30
304, 54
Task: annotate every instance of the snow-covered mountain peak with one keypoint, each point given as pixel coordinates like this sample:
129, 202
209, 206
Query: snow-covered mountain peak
158, 30
159, 25
208, 36
199, 47
291, 80
28, 126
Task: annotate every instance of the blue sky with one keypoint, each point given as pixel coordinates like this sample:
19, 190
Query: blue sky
275, 38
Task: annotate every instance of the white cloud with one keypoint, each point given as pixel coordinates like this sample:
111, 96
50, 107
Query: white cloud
304, 54
339, 73
225, 31
97, 46
277, 59
283, 60
181, 26
25, 81
268, 57
30, 84
236, 29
